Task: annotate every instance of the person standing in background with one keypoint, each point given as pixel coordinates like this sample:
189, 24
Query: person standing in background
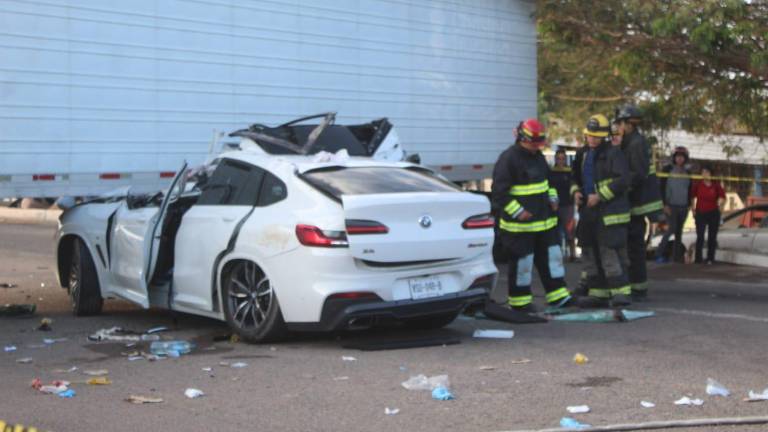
677, 199
708, 199
560, 178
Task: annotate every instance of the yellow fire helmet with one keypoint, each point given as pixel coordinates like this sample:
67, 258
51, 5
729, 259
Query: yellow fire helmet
597, 126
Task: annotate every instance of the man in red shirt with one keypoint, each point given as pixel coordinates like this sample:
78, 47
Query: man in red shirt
708, 199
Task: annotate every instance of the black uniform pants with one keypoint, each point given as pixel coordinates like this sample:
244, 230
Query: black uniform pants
526, 250
708, 222
638, 275
605, 258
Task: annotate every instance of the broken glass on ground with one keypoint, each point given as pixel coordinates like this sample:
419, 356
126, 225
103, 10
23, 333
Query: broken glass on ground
422, 382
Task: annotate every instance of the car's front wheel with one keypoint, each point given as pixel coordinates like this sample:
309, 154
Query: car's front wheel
83, 283
250, 304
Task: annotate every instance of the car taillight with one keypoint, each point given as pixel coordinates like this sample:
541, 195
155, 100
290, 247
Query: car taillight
355, 295
358, 226
479, 221
309, 235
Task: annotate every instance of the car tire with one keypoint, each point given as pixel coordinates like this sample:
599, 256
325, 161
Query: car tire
431, 322
83, 282
250, 304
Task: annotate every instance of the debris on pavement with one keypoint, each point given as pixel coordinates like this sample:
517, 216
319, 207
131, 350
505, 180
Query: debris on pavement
391, 411
69, 393
207, 369
102, 380
519, 361
114, 334
238, 365
17, 310
580, 359
273, 349
494, 334
9, 348
7, 285
421, 382
193, 393
138, 399
96, 372
156, 330
70, 370
714, 388
570, 423
578, 409
25, 360
45, 324
171, 348
348, 358
55, 387
646, 404
757, 397
442, 393
608, 315
51, 341
341, 378
487, 368
685, 400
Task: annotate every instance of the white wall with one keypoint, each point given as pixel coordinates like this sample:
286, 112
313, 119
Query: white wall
95, 86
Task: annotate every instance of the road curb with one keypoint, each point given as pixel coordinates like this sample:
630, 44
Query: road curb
29, 216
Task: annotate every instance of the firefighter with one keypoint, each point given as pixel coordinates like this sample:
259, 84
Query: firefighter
600, 187
526, 208
560, 180
644, 195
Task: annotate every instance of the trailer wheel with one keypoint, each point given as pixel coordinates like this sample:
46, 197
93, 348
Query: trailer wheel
84, 289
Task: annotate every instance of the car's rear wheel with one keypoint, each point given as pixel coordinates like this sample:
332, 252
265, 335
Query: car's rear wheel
250, 304
83, 282
431, 322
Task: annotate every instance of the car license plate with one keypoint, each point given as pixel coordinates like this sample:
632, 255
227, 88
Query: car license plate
425, 287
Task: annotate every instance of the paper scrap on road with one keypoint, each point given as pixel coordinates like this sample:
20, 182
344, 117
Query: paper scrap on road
714, 388
487, 368
102, 380
9, 348
193, 393
519, 361
757, 397
494, 334
138, 399
96, 372
24, 360
51, 341
341, 378
70, 370
646, 404
348, 358
391, 411
685, 400
207, 369
578, 409
238, 365
421, 382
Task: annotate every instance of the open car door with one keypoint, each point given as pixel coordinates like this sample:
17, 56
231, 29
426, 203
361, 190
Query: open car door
135, 244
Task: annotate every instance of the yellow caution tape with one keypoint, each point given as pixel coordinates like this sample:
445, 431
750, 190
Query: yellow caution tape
721, 178
7, 427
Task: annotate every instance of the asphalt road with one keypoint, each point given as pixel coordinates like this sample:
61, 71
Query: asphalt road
711, 321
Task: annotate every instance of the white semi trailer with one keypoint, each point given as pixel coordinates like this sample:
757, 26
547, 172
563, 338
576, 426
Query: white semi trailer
100, 94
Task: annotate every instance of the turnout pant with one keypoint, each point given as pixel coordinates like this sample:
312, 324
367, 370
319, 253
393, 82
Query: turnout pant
540, 249
638, 275
707, 222
604, 254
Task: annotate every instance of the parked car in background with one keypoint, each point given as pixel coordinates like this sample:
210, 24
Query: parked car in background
272, 242
738, 241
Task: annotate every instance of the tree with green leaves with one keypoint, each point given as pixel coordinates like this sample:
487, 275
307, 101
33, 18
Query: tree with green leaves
699, 65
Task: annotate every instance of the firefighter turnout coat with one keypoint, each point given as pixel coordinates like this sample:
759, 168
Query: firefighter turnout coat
644, 191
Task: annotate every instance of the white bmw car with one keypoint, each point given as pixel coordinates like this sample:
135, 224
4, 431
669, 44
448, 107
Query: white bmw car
273, 243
